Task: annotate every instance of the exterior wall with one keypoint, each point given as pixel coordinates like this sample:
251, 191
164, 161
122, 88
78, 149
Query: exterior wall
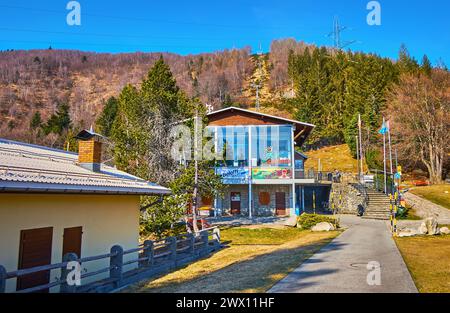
224, 204
269, 210
107, 220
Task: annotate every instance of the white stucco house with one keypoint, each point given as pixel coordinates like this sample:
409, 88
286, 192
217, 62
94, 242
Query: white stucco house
53, 202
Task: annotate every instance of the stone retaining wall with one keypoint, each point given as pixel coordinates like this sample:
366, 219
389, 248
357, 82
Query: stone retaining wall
346, 198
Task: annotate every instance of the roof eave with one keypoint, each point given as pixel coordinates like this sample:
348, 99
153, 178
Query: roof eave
21, 187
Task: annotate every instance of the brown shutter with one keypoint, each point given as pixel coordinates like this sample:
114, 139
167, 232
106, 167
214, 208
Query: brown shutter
35, 250
72, 240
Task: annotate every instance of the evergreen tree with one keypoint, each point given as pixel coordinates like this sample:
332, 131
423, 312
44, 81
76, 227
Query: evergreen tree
59, 122
331, 87
141, 130
36, 121
406, 63
426, 66
127, 134
107, 117
160, 91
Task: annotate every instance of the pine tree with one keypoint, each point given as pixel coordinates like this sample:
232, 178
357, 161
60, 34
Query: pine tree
107, 117
160, 91
36, 121
127, 133
406, 63
59, 122
141, 130
426, 66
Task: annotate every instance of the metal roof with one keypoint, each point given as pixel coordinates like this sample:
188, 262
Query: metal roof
32, 168
262, 114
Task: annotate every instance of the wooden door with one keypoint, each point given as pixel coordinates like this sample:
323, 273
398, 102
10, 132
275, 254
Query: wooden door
280, 203
235, 199
72, 240
35, 250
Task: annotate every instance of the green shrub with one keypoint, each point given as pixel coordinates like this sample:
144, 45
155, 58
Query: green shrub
306, 221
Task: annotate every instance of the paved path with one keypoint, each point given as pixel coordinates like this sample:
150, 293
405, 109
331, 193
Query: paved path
341, 265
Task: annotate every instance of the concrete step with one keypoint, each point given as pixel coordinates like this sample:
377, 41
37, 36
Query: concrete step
377, 215
376, 218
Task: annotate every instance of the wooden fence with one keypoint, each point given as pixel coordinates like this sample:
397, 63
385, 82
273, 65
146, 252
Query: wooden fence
154, 257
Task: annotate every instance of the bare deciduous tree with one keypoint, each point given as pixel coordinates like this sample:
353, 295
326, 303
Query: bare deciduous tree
419, 110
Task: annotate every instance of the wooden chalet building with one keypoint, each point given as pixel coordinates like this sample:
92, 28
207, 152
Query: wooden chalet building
264, 174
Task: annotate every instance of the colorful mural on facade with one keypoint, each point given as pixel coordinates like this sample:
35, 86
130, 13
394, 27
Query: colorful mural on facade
271, 173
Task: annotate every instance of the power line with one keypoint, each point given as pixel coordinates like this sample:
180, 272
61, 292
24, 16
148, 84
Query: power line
50, 42
111, 35
138, 19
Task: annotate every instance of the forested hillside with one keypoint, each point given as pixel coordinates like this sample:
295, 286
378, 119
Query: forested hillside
47, 95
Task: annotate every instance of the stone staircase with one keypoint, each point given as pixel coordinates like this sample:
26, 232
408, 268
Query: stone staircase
378, 206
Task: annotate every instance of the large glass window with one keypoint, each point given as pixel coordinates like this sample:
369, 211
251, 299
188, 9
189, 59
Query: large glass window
272, 146
232, 145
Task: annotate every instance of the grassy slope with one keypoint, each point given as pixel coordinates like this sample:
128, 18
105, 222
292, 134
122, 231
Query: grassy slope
331, 158
439, 194
254, 259
427, 261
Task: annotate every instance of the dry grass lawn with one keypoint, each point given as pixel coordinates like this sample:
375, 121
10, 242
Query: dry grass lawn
253, 261
439, 194
331, 158
427, 258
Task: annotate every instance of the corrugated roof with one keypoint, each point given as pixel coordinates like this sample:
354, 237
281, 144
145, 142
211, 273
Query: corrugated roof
32, 168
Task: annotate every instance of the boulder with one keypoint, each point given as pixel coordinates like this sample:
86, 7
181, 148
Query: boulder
291, 221
407, 232
432, 226
323, 226
423, 229
444, 230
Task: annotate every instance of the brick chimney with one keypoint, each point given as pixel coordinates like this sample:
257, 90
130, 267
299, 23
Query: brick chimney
90, 150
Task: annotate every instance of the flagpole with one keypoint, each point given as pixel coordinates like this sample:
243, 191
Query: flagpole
357, 158
384, 157
360, 148
390, 149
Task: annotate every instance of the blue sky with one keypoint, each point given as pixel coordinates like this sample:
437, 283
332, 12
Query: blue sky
187, 27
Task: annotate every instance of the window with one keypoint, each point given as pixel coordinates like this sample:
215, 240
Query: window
233, 145
264, 198
206, 200
272, 145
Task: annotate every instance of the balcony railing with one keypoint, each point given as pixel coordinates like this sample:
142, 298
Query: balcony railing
318, 176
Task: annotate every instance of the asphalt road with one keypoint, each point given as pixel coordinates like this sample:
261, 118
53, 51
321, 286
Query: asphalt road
342, 265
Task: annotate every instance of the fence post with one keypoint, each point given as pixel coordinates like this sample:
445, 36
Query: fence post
65, 287
216, 236
191, 238
149, 252
2, 279
116, 264
204, 236
172, 243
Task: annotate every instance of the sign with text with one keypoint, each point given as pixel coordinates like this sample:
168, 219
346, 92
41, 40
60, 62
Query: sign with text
233, 175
